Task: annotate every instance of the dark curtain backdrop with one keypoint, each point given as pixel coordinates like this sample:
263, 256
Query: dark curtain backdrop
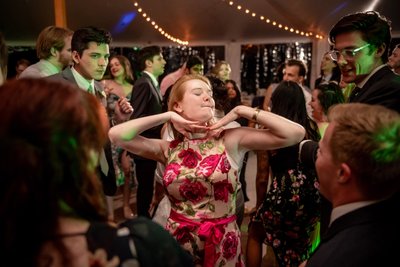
174, 55
259, 63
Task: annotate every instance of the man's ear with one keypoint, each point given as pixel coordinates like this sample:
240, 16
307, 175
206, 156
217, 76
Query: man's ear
344, 173
53, 51
76, 57
148, 63
380, 50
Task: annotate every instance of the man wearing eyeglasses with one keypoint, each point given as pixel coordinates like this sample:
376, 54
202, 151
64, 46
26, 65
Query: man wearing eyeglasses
361, 43
360, 46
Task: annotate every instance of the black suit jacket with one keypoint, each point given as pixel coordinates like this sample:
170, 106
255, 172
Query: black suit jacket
146, 100
109, 180
382, 88
335, 77
367, 237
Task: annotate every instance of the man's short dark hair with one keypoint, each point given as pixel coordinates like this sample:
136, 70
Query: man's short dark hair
82, 37
147, 53
375, 29
194, 60
300, 64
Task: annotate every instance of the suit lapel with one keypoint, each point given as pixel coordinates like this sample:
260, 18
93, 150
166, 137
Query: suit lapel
154, 89
362, 93
100, 94
67, 75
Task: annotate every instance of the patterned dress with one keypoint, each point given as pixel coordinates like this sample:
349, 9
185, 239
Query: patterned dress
112, 100
290, 210
201, 185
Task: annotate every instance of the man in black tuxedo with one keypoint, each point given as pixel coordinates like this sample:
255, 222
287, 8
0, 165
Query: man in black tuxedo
146, 99
358, 170
90, 53
361, 46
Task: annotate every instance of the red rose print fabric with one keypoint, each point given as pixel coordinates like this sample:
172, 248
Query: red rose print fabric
202, 184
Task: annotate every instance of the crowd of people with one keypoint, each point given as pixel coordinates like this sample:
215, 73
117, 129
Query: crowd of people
78, 128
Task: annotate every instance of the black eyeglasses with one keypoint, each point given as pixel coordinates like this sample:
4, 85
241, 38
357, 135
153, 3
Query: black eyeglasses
346, 53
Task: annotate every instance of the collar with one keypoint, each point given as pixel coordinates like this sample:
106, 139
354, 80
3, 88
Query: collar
344, 209
50, 68
153, 78
326, 78
197, 135
81, 81
363, 82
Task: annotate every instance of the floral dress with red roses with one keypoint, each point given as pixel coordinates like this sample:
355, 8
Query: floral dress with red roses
201, 185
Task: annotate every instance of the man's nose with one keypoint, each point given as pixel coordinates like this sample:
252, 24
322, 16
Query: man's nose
102, 62
341, 60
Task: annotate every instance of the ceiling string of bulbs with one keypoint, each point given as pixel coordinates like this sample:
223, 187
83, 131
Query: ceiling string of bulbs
272, 22
231, 4
157, 27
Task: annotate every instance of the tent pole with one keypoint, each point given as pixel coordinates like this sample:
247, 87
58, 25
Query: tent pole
60, 13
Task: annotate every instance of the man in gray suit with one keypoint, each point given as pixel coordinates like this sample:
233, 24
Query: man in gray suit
90, 53
53, 48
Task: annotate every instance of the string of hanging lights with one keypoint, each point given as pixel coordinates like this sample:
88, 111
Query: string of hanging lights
157, 27
274, 23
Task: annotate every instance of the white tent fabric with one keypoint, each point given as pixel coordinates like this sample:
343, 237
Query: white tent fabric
201, 22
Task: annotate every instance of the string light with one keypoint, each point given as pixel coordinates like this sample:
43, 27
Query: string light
157, 27
247, 11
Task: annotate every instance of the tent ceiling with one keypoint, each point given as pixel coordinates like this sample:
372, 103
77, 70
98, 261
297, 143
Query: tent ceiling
199, 22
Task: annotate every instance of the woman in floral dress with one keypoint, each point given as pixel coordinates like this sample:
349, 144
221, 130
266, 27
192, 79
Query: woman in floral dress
201, 165
120, 85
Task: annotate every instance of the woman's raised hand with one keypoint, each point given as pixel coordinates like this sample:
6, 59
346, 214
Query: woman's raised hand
231, 116
186, 127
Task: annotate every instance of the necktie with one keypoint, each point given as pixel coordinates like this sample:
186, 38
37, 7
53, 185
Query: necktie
157, 87
90, 90
103, 163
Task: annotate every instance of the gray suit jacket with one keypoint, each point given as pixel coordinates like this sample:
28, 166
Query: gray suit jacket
109, 180
67, 76
41, 69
